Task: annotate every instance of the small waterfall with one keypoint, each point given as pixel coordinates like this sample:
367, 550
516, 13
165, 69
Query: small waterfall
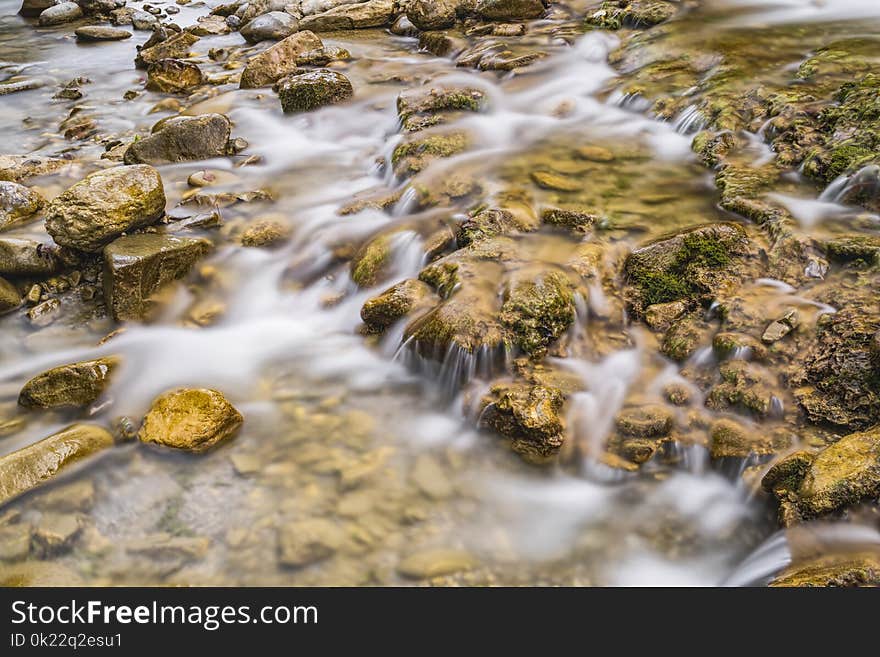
689, 121
844, 188
762, 564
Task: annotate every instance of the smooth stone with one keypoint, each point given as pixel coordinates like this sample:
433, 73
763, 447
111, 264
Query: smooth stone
278, 60
98, 33
65, 12
77, 385
274, 26
20, 257
141, 20
435, 563
309, 541
190, 419
182, 138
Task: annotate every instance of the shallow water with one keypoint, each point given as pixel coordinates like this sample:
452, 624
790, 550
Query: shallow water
362, 432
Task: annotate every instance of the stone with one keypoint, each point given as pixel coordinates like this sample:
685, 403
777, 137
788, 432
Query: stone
44, 313
17, 203
174, 47
436, 562
373, 13
529, 415
138, 266
15, 542
278, 60
396, 302
781, 327
265, 233
210, 26
64, 12
39, 462
20, 257
556, 182
538, 310
10, 297
182, 138
274, 26
104, 205
729, 438
248, 11
100, 33
122, 15
430, 478
649, 421
15, 168
142, 20
33, 8
432, 14
308, 541
192, 419
304, 92
837, 570
77, 385
55, 533
509, 10
174, 76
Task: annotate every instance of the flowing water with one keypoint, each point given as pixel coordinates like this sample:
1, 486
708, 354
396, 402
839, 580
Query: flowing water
369, 433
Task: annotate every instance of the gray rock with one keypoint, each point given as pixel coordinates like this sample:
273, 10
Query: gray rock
100, 33
274, 26
141, 20
63, 13
182, 138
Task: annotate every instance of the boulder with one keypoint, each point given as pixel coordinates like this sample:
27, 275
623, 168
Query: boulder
509, 10
303, 92
193, 419
837, 570
137, 266
182, 138
77, 385
142, 20
274, 26
35, 464
538, 310
65, 12
278, 60
21, 257
373, 13
174, 47
104, 205
174, 76
17, 203
100, 33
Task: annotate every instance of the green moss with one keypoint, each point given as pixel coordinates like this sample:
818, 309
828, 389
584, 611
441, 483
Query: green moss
661, 287
443, 277
537, 312
368, 262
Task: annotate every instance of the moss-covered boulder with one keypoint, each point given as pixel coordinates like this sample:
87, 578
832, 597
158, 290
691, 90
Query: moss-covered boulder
833, 570
35, 464
396, 302
493, 222
174, 76
182, 138
192, 419
309, 90
138, 266
278, 60
509, 10
369, 264
17, 203
744, 387
104, 205
20, 257
864, 248
538, 310
77, 385
529, 415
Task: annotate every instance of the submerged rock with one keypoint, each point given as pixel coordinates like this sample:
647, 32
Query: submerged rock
77, 385
194, 419
436, 562
309, 541
304, 92
174, 76
274, 26
17, 203
529, 415
35, 464
182, 138
278, 60
104, 205
138, 266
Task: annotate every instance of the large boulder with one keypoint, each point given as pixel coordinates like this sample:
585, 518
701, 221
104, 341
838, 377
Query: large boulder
303, 92
190, 419
278, 60
509, 10
35, 464
174, 76
274, 26
182, 138
138, 266
17, 203
104, 205
77, 385
373, 13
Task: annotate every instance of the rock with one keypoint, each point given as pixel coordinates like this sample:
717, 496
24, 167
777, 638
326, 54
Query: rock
396, 302
323, 56
373, 13
413, 155
17, 203
418, 108
122, 16
403, 27
573, 220
684, 336
27, 258
729, 344
732, 439
265, 233
308, 541
614, 14
182, 138
65, 12
175, 47
77, 385
509, 10
435, 563
44, 313
278, 60
210, 26
100, 33
661, 316
7, 88
432, 14
304, 92
104, 205
35, 464
10, 297
309, 7
649, 421
595, 154
556, 182
192, 419
141, 20
743, 387
137, 266
55, 533
537, 311
250, 10
781, 327
33, 8
274, 26
165, 547
529, 415
40, 573
430, 478
15, 542
838, 570
174, 76
15, 168
97, 7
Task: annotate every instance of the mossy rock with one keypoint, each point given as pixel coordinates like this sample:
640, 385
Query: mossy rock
412, 156
537, 311
182, 138
370, 262
745, 387
857, 247
174, 47
418, 109
530, 416
615, 14
191, 419
278, 60
396, 302
307, 91
730, 439
490, 223
509, 10
77, 385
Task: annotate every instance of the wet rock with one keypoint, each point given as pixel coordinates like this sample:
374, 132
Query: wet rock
182, 138
323, 56
846, 249
432, 15
509, 10
413, 155
419, 109
649, 421
614, 14
396, 302
265, 233
372, 13
537, 311
7, 88
529, 415
556, 182
684, 337
745, 387
35, 464
55, 533
573, 220
174, 76
138, 266
27, 258
274, 26
98, 7
304, 92
104, 205
141, 20
435, 562
122, 16
100, 33
493, 222
729, 344
278, 60
729, 438
835, 570
15, 168
247, 11
781, 327
65, 12
44, 313
77, 385
192, 419
33, 8
17, 203
39, 573
10, 297
174, 47
308, 541
661, 316
430, 478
